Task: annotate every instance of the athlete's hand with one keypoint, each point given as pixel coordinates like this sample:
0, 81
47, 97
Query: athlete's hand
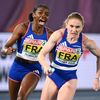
48, 70
96, 85
7, 51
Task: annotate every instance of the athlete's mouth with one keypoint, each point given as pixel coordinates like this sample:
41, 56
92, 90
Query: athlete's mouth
75, 33
42, 22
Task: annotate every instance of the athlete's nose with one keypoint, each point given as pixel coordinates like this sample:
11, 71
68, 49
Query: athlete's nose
74, 30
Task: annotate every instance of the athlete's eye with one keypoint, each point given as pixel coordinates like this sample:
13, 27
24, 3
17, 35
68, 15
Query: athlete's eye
71, 26
40, 12
77, 26
47, 14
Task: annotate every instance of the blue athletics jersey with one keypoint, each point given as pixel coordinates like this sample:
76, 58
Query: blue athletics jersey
28, 48
30, 44
66, 54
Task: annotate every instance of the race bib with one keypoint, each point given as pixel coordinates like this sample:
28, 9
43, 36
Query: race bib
68, 55
32, 47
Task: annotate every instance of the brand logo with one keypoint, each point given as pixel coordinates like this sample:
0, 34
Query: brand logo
30, 36
36, 71
63, 43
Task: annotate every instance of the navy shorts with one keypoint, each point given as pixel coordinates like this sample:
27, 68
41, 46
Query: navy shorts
59, 77
19, 69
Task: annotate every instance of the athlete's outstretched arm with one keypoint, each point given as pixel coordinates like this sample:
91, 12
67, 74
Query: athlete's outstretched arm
96, 83
17, 33
46, 50
91, 46
98, 68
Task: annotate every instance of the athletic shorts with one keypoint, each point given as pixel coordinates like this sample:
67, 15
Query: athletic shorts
19, 69
59, 77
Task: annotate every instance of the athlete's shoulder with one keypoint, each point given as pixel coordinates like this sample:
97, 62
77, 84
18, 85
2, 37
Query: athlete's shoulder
60, 32
57, 34
21, 28
24, 25
84, 37
49, 31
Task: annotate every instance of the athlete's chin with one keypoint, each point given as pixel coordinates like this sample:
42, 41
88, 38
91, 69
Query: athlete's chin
42, 23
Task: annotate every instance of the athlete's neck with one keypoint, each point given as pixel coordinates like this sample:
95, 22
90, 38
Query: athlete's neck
72, 38
37, 29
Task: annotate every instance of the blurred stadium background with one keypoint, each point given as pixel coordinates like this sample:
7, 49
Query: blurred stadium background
13, 12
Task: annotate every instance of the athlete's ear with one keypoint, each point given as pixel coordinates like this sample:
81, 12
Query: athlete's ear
34, 15
66, 25
48, 17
